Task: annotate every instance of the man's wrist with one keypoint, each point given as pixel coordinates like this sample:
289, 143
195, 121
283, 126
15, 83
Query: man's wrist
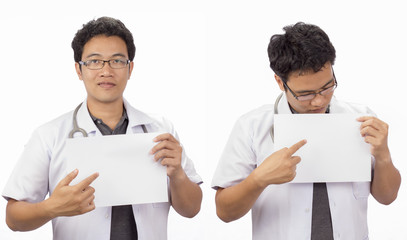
383, 157
257, 180
178, 176
46, 207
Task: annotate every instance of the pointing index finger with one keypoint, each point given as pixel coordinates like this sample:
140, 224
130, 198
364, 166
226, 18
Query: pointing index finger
294, 148
87, 181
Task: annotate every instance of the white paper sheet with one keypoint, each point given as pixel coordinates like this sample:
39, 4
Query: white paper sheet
335, 150
128, 173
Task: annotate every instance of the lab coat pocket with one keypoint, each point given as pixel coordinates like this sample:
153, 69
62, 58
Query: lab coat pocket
361, 189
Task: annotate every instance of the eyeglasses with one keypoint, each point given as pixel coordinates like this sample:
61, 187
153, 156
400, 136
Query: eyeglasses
96, 64
323, 92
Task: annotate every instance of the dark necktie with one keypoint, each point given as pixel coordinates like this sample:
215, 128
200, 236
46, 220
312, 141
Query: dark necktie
321, 215
123, 226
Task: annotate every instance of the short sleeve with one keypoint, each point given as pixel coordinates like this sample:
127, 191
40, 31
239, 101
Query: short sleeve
29, 179
189, 169
238, 159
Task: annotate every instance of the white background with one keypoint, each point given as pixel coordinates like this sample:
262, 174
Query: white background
202, 65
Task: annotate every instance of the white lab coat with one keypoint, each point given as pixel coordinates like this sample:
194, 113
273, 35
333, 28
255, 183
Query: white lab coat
283, 212
41, 167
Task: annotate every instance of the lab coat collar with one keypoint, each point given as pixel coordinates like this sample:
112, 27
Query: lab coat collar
85, 120
335, 106
284, 108
135, 116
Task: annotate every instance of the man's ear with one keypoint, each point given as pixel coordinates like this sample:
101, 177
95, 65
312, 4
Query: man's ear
78, 70
131, 66
279, 82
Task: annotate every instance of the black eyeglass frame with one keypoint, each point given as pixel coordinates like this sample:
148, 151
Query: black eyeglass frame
84, 63
315, 93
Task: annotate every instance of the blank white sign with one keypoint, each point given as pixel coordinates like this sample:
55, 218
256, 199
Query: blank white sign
335, 150
127, 171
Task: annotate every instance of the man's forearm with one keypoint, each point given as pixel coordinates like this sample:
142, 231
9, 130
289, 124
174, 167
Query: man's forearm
186, 196
24, 216
386, 181
234, 202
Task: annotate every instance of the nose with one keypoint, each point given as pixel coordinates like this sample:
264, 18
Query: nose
318, 100
106, 70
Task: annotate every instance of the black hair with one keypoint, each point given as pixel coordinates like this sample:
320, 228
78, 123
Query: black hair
102, 26
302, 48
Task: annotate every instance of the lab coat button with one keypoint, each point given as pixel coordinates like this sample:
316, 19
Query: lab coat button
307, 210
107, 216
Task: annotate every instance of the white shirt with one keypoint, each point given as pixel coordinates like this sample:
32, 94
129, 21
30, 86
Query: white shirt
41, 167
284, 212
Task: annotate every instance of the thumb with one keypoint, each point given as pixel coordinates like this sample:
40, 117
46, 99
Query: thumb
296, 159
68, 179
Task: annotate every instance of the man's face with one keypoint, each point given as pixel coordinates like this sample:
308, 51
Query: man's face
105, 85
306, 83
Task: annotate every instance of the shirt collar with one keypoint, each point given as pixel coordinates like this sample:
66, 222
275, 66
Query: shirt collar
135, 117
